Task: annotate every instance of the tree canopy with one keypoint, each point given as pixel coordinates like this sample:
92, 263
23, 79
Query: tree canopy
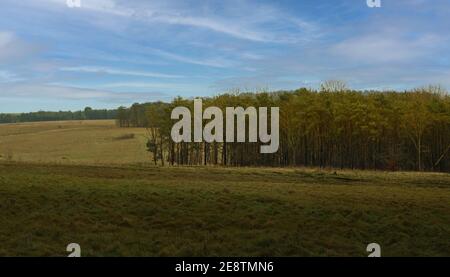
332, 127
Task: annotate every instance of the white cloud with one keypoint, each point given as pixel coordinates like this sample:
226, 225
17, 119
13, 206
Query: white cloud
144, 85
8, 77
5, 38
240, 25
384, 48
53, 92
13, 48
111, 71
211, 24
217, 62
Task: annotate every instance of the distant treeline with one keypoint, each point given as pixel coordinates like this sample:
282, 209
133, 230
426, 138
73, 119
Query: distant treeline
332, 127
87, 114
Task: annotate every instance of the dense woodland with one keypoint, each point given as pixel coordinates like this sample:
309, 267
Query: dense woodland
332, 127
87, 114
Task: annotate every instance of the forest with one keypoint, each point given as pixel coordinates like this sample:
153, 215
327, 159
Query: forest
333, 127
87, 114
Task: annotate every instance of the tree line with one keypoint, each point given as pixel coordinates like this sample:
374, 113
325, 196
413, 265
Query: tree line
330, 127
86, 114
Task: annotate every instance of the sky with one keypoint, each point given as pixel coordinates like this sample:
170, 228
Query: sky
108, 53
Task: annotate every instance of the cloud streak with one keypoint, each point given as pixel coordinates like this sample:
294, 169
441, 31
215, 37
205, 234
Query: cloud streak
38, 91
112, 71
386, 48
13, 48
237, 27
8, 77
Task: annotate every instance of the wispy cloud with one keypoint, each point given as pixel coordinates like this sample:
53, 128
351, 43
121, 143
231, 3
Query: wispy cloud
8, 77
211, 24
240, 27
112, 71
38, 91
385, 48
214, 62
144, 85
13, 48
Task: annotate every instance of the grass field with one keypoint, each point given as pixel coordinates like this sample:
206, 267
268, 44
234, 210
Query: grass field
126, 207
74, 142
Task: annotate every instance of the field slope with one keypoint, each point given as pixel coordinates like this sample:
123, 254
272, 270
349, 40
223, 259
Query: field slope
73, 142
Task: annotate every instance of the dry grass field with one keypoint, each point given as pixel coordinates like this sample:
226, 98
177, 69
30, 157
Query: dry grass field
74, 142
93, 183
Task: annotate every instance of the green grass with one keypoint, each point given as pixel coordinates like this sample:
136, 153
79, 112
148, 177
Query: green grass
128, 210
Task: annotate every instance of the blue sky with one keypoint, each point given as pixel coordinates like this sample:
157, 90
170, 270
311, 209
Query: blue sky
108, 53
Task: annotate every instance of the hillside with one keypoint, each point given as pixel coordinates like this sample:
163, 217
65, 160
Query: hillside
86, 142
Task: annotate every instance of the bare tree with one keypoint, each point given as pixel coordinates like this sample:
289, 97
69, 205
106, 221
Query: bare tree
333, 86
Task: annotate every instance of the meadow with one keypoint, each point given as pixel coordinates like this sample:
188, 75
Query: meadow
73, 142
106, 196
